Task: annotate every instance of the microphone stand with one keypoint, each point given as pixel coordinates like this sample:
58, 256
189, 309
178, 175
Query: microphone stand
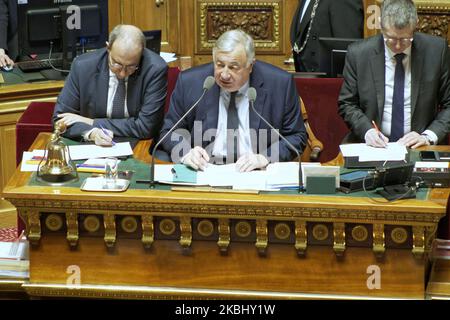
300, 176
152, 165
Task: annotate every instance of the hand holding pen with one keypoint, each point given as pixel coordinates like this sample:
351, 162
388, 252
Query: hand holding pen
102, 137
375, 138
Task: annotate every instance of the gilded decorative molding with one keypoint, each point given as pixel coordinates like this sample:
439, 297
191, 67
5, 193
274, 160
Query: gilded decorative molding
262, 20
205, 228
148, 232
262, 239
54, 222
282, 231
167, 226
224, 234
129, 224
378, 240
301, 237
418, 241
109, 220
33, 224
339, 238
72, 228
320, 232
430, 235
243, 229
360, 233
399, 235
185, 231
91, 223
437, 25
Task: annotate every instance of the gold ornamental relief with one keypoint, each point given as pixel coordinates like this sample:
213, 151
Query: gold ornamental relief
224, 234
91, 223
243, 229
129, 224
147, 230
360, 233
320, 232
205, 228
282, 231
399, 235
54, 222
167, 227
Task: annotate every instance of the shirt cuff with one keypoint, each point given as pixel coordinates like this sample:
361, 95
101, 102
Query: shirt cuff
432, 137
87, 133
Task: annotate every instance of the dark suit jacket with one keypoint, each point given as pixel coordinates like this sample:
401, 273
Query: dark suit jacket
85, 92
362, 95
334, 18
277, 101
8, 27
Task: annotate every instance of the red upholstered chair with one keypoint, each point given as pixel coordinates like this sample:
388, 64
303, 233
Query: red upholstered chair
320, 97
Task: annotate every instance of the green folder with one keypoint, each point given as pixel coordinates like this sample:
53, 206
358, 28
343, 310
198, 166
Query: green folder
184, 174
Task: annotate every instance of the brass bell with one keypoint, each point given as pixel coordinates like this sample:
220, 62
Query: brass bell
56, 167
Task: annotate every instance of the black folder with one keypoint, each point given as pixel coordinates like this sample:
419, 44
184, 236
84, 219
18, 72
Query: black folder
354, 163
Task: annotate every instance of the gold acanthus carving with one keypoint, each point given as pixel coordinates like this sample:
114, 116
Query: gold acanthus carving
301, 237
241, 212
262, 239
339, 238
224, 234
186, 232
434, 25
33, 223
148, 232
378, 240
109, 221
72, 228
418, 241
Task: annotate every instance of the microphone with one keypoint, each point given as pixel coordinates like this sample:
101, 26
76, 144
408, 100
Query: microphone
251, 93
207, 84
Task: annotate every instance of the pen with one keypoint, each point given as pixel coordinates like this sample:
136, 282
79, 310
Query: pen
174, 172
104, 131
378, 131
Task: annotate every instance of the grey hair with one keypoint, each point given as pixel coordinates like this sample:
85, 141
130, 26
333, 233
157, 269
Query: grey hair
399, 14
230, 39
128, 33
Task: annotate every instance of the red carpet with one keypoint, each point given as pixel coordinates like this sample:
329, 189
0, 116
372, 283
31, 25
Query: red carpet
8, 234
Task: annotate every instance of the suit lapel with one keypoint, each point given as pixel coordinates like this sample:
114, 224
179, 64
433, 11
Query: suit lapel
416, 74
378, 73
101, 86
261, 102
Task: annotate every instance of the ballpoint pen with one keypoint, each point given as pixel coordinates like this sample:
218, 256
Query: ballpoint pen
105, 132
174, 172
378, 131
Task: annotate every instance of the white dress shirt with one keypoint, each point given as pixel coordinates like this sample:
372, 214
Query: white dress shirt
305, 7
242, 106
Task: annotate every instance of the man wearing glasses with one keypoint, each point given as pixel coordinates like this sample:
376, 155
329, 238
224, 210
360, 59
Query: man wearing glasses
117, 91
397, 84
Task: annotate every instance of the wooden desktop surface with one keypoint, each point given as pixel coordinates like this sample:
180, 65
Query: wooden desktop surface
159, 243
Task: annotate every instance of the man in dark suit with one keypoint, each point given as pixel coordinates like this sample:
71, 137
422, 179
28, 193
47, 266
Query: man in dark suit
118, 91
323, 18
397, 84
207, 134
8, 32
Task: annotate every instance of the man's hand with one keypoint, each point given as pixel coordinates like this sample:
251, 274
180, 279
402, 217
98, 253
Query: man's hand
197, 158
102, 137
375, 139
4, 59
71, 118
413, 140
251, 161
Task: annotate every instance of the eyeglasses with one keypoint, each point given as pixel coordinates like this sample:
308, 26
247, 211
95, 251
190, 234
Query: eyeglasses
119, 67
394, 41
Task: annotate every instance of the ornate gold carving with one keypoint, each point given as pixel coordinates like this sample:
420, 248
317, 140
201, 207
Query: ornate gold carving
91, 223
205, 228
399, 235
261, 236
301, 237
147, 230
360, 233
186, 232
109, 220
282, 231
378, 240
437, 25
72, 228
54, 222
339, 238
320, 232
33, 222
418, 241
262, 20
224, 234
167, 226
430, 234
129, 224
243, 229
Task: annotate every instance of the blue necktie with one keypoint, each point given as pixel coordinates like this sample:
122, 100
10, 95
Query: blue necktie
398, 100
232, 129
118, 104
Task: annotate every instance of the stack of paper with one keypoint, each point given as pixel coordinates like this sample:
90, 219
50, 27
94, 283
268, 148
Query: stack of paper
14, 263
365, 153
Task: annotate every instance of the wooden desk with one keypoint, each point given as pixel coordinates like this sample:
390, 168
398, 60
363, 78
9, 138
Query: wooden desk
160, 244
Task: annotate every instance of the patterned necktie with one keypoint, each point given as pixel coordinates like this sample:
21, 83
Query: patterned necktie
398, 100
118, 104
232, 129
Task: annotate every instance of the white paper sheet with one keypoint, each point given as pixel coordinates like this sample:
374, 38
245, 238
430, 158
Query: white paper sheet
365, 153
80, 152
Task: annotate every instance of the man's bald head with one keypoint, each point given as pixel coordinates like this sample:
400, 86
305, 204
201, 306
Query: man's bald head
127, 37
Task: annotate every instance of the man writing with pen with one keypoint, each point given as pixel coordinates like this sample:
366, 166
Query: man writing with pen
397, 81
115, 92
